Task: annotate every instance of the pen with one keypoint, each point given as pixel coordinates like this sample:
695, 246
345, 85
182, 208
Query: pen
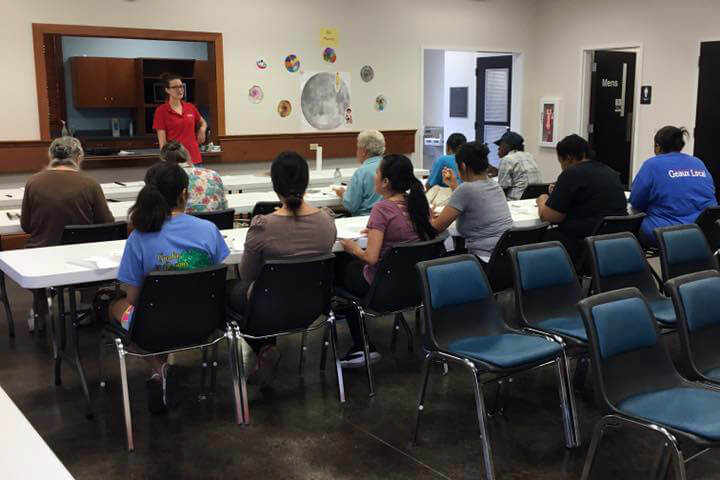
7, 195
121, 184
8, 214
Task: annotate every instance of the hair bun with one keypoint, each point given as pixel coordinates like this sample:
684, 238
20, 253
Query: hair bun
61, 152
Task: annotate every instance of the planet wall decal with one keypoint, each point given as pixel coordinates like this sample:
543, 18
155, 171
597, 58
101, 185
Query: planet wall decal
325, 100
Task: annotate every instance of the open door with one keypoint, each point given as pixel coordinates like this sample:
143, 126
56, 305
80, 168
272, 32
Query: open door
611, 109
494, 93
707, 120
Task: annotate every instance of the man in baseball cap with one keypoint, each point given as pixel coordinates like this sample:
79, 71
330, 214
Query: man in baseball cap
518, 168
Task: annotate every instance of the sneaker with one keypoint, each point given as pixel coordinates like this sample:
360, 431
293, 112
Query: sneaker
170, 386
268, 360
154, 387
355, 358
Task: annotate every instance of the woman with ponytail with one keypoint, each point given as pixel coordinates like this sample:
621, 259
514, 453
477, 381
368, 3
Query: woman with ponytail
403, 215
295, 229
672, 188
478, 204
164, 238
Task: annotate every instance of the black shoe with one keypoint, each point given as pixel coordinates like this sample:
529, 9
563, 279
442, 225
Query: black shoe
154, 387
170, 387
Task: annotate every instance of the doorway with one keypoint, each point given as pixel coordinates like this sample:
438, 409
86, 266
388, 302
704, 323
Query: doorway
707, 119
612, 100
494, 101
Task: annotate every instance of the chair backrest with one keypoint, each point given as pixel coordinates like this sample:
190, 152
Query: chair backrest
100, 232
396, 285
179, 308
457, 300
618, 261
289, 295
683, 250
265, 208
545, 281
534, 190
606, 226
499, 271
708, 223
223, 219
695, 298
627, 355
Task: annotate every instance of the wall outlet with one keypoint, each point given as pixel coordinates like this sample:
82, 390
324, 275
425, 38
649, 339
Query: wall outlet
313, 146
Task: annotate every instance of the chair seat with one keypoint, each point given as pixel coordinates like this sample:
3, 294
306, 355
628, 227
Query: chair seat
692, 410
663, 311
508, 350
713, 374
569, 325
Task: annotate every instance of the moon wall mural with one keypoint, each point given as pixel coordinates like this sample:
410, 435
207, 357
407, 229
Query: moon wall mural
325, 99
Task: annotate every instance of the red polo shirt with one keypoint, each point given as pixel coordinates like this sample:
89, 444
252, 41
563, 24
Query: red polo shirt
180, 127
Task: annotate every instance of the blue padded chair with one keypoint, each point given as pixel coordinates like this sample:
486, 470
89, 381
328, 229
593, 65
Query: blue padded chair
683, 249
464, 326
636, 381
695, 297
547, 290
618, 261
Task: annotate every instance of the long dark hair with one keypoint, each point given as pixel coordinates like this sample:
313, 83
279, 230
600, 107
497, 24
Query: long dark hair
474, 155
290, 176
398, 170
671, 139
164, 182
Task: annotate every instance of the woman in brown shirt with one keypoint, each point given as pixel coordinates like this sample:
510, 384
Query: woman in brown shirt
57, 196
296, 229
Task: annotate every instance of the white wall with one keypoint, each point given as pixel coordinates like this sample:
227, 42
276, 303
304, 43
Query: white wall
433, 87
460, 72
669, 33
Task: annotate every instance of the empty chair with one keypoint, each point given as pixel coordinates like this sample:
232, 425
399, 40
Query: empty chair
100, 232
498, 269
608, 225
708, 223
636, 382
223, 219
166, 322
683, 250
464, 326
396, 288
289, 297
618, 261
695, 297
534, 190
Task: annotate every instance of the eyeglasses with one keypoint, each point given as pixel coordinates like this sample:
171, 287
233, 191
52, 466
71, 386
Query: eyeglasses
178, 87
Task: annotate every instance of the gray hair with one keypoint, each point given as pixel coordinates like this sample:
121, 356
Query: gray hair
65, 151
372, 141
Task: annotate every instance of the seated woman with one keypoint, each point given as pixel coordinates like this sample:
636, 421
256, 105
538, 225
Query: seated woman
295, 229
672, 188
164, 238
57, 196
206, 192
585, 192
478, 204
403, 215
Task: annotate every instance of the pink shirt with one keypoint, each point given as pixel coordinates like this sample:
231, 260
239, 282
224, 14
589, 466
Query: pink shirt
393, 220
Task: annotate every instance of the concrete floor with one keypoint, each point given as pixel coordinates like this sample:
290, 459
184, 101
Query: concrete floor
299, 429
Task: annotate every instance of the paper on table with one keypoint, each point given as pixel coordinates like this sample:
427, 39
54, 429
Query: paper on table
96, 262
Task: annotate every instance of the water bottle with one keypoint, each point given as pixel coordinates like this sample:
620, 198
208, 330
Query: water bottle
337, 176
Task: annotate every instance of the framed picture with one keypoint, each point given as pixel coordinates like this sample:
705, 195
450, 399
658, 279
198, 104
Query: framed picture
549, 121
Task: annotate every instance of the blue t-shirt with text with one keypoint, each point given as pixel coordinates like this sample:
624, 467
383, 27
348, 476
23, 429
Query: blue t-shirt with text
672, 189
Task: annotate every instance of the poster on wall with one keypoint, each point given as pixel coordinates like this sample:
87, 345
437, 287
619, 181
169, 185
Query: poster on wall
549, 122
325, 100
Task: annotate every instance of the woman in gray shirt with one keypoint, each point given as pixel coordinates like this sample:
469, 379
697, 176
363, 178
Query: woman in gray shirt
478, 204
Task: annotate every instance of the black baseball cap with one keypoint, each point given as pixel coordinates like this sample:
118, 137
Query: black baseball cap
513, 139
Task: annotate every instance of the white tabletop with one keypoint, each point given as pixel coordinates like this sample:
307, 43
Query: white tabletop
23, 453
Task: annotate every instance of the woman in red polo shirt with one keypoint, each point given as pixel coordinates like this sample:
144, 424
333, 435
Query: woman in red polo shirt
177, 119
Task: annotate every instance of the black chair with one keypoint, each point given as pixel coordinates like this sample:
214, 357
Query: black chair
683, 250
695, 297
618, 261
165, 322
101, 232
265, 208
534, 190
396, 288
607, 226
498, 269
223, 219
464, 326
289, 297
708, 223
637, 384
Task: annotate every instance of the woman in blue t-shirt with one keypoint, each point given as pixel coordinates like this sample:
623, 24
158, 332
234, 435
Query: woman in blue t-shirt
164, 238
672, 188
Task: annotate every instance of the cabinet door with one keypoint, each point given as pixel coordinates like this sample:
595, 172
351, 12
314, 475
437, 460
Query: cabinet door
89, 79
122, 82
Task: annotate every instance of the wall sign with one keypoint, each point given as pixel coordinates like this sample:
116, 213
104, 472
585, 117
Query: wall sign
645, 95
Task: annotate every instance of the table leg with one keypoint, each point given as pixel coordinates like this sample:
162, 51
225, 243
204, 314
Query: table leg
59, 334
75, 342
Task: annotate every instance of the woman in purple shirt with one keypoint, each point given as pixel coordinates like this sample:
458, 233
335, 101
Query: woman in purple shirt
403, 215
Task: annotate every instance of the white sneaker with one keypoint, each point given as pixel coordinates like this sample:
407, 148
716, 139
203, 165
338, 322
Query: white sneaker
357, 359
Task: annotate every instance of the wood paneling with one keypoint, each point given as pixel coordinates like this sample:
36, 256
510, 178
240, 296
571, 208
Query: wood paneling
14, 241
264, 148
18, 157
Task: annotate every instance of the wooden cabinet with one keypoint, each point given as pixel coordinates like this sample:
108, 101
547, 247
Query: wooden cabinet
103, 82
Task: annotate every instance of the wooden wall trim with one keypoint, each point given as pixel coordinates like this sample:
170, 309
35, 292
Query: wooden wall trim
23, 156
265, 147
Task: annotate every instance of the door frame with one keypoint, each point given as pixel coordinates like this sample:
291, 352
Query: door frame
516, 109
696, 80
584, 82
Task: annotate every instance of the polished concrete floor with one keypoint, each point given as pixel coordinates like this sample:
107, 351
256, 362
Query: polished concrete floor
299, 430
